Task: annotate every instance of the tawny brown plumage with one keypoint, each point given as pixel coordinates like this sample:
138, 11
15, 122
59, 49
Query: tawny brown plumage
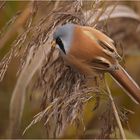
90, 51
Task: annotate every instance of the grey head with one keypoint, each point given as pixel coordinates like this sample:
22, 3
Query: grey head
64, 36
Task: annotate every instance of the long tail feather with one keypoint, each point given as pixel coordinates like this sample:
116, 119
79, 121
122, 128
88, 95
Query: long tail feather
128, 84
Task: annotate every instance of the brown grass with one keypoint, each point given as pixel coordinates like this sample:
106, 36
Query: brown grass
65, 91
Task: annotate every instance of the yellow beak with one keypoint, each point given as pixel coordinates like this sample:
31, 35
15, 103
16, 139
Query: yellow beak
53, 43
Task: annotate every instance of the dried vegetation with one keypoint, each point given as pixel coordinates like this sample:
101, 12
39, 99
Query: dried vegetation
64, 92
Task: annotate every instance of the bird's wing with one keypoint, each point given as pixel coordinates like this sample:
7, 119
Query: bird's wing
101, 63
104, 52
105, 42
102, 37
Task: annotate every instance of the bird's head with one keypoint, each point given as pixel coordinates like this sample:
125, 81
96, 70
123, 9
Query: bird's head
63, 37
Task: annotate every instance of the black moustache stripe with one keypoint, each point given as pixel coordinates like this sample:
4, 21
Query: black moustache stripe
60, 44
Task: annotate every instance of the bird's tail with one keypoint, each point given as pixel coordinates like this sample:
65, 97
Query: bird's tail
128, 84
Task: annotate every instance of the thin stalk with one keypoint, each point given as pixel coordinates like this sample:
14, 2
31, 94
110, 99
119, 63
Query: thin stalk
115, 112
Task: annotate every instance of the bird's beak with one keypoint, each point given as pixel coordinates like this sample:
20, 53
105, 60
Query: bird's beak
53, 43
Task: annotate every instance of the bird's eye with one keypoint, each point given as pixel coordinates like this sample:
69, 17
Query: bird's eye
60, 44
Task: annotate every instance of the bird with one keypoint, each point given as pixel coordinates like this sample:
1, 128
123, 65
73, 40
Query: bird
91, 52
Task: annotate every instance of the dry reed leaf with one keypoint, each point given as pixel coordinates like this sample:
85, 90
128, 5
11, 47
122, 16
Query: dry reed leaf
16, 22
21, 20
2, 4
120, 11
18, 96
11, 21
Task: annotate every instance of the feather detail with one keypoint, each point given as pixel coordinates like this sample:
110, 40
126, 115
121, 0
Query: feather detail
109, 51
102, 36
104, 41
101, 63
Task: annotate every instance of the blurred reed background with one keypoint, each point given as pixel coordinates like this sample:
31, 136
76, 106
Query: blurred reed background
16, 17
